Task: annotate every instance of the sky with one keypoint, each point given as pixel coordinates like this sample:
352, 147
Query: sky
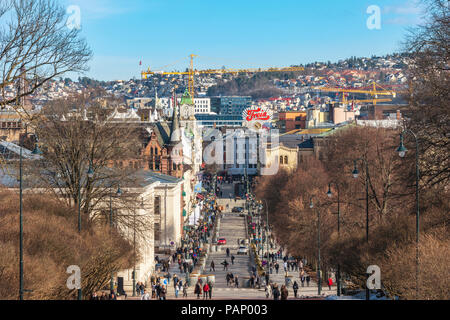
235, 33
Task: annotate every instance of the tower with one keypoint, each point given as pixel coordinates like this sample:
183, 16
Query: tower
175, 147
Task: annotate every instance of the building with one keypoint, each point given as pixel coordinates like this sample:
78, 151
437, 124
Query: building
288, 121
340, 114
201, 105
230, 105
219, 120
285, 155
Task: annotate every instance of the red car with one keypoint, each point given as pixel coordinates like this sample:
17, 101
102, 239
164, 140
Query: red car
222, 241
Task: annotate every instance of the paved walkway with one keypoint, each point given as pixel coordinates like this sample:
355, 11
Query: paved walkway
232, 227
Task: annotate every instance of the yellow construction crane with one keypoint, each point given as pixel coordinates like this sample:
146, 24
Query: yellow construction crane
192, 72
373, 92
373, 101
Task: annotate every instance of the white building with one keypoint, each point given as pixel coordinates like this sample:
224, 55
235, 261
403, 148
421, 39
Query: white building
202, 105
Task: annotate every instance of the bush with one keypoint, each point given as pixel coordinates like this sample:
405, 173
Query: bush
51, 243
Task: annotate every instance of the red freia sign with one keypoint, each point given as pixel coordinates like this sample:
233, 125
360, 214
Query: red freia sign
256, 114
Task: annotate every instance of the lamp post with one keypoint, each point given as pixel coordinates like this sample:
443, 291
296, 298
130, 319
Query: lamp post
90, 174
118, 193
402, 152
319, 276
134, 253
355, 175
21, 225
330, 194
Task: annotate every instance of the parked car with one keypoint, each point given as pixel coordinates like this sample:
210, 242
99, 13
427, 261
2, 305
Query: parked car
242, 250
237, 209
222, 241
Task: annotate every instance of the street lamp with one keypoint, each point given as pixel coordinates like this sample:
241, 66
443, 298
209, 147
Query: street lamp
319, 284
355, 175
402, 152
90, 174
118, 194
330, 194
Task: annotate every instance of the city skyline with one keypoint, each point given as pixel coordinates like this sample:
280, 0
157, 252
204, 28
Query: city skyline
253, 34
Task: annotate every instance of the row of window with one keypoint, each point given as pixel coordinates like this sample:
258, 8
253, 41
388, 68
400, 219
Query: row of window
11, 125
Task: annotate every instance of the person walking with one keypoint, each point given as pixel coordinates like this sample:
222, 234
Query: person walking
330, 283
162, 294
308, 279
210, 284
302, 279
138, 288
225, 265
232, 259
228, 252
277, 266
185, 289
176, 287
284, 292
198, 290
276, 292
295, 288
227, 277
205, 291
145, 296
211, 267
236, 282
268, 290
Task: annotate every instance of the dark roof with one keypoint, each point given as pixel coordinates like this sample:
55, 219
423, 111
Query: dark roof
162, 131
307, 144
147, 177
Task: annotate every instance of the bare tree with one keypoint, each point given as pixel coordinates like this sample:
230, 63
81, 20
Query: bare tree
429, 70
76, 136
36, 46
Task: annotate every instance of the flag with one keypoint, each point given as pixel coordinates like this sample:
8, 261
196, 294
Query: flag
140, 63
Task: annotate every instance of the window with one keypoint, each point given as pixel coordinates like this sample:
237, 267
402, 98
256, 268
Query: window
174, 166
286, 160
157, 232
281, 159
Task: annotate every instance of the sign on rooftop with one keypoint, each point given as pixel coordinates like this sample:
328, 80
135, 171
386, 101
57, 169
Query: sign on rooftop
257, 118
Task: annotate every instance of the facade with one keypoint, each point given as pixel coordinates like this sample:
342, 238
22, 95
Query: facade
342, 114
288, 121
219, 120
235, 151
230, 105
201, 105
287, 157
12, 126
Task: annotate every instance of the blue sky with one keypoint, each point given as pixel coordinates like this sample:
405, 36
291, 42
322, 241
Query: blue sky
235, 33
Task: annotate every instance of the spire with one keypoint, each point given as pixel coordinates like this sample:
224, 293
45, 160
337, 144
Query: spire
175, 129
186, 98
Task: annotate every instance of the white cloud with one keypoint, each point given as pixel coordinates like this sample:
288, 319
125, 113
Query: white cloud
410, 7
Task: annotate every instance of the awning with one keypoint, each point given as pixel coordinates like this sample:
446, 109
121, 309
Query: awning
200, 196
